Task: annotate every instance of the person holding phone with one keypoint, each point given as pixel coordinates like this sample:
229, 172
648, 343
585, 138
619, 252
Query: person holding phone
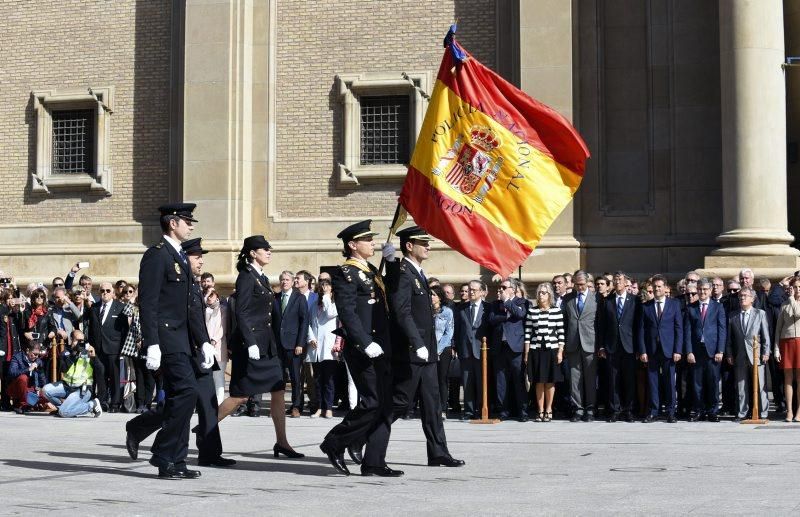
35, 318
28, 376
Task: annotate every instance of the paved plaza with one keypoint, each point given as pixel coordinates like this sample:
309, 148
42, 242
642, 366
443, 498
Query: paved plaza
80, 466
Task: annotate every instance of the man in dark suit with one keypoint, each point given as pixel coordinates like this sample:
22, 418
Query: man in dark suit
363, 309
507, 320
581, 325
704, 340
471, 326
618, 325
108, 335
660, 344
291, 329
209, 444
302, 283
415, 350
164, 282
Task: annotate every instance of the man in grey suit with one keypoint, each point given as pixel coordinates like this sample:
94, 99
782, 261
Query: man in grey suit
471, 326
581, 320
744, 325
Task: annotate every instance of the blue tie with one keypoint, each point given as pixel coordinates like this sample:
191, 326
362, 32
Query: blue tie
580, 303
183, 256
619, 307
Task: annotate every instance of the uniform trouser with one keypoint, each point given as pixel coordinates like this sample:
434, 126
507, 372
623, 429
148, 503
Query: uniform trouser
510, 379
663, 369
744, 387
209, 444
407, 378
442, 369
111, 365
705, 377
370, 421
583, 381
180, 386
472, 379
621, 381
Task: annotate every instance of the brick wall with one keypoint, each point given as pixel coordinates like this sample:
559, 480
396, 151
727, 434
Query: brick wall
77, 44
352, 36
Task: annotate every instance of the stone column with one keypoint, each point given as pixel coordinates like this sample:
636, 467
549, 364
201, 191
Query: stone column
753, 104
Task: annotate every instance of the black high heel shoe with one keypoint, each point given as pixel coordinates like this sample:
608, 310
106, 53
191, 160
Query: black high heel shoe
277, 450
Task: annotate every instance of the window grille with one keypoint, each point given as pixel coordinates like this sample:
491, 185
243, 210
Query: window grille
73, 139
384, 129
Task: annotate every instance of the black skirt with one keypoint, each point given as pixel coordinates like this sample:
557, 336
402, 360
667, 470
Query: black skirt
252, 377
543, 366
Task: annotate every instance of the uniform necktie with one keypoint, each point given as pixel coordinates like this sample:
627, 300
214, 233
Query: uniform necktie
620, 304
183, 256
703, 309
580, 303
264, 279
658, 310
284, 301
424, 278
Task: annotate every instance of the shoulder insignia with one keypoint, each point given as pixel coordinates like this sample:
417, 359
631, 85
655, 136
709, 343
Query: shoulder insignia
177, 268
161, 243
349, 278
416, 282
402, 266
345, 269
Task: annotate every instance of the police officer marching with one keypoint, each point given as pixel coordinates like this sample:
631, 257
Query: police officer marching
363, 312
164, 284
415, 350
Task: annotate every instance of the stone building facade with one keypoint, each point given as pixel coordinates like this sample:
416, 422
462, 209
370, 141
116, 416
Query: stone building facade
250, 109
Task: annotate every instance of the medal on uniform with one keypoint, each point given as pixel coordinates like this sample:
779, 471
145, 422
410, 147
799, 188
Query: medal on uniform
362, 276
416, 282
177, 268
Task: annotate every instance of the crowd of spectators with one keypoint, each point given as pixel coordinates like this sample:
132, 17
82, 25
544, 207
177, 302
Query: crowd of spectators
582, 347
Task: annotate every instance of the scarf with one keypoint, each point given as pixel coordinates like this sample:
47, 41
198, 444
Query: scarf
37, 313
376, 278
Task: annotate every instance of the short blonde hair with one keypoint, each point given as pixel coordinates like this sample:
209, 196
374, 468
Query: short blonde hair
548, 287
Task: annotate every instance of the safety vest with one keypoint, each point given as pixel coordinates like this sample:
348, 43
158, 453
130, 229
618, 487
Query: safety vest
80, 373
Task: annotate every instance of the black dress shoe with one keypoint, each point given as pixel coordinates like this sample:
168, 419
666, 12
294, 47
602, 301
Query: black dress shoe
736, 420
355, 454
523, 418
588, 418
383, 471
628, 417
171, 471
575, 418
254, 412
713, 418
132, 445
217, 462
692, 418
466, 417
445, 461
649, 419
336, 458
112, 409
277, 450
671, 419
613, 418
240, 411
504, 416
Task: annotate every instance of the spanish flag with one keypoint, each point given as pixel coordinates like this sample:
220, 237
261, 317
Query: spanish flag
492, 167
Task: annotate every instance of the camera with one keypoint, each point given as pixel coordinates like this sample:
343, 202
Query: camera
35, 336
5, 281
80, 348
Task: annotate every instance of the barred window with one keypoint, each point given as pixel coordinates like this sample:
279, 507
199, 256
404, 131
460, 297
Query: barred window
384, 129
73, 142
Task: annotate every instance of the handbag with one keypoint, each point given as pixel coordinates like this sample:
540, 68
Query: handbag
454, 369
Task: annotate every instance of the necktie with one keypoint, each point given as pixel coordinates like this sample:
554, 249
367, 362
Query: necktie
580, 303
703, 309
744, 321
264, 280
620, 304
472, 313
183, 256
424, 278
284, 301
103, 313
658, 310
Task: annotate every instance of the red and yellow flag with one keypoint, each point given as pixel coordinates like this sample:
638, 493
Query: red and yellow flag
492, 167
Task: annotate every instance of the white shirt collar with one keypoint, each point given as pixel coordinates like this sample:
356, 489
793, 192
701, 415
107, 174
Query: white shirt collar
418, 268
175, 244
256, 268
662, 300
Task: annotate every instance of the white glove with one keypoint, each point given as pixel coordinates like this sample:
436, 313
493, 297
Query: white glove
208, 356
373, 350
422, 353
2, 353
388, 252
153, 361
253, 353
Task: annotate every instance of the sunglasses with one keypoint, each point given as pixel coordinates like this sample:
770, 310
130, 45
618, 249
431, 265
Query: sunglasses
106, 290
130, 291
691, 294
59, 284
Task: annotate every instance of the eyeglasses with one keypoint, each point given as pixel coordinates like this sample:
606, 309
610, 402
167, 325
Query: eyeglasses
130, 291
58, 284
733, 291
694, 293
505, 287
106, 290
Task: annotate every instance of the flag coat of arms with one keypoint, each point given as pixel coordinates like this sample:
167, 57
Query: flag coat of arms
492, 167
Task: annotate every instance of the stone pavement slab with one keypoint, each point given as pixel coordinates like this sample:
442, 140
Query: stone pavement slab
80, 466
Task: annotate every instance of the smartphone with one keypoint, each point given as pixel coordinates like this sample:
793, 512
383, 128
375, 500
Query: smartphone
83, 265
35, 336
21, 301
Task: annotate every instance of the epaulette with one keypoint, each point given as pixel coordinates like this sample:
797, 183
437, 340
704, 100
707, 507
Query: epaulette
403, 266
346, 271
160, 243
